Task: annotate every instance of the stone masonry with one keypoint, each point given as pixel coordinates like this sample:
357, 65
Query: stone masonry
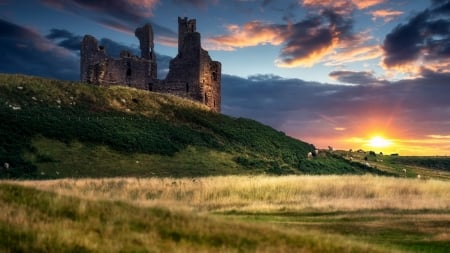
192, 73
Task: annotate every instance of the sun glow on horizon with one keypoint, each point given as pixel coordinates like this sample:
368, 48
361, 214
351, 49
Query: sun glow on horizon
379, 142
429, 145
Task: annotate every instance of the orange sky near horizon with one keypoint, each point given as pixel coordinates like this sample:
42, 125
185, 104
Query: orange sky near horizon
400, 137
428, 145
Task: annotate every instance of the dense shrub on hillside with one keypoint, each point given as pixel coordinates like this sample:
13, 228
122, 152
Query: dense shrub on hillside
133, 121
129, 121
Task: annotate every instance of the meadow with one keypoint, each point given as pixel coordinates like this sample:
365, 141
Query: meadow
230, 214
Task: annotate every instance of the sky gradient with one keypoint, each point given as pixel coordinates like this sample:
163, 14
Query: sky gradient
330, 72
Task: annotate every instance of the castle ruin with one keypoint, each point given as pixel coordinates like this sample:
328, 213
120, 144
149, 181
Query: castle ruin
192, 73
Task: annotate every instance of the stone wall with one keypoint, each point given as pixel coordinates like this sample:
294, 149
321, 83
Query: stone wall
192, 73
194, 67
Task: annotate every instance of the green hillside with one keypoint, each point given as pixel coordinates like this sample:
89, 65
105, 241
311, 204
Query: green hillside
53, 129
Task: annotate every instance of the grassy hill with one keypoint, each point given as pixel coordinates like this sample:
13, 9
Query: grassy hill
54, 129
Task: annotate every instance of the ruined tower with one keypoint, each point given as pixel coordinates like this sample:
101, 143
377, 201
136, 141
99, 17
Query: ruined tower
145, 36
192, 73
129, 70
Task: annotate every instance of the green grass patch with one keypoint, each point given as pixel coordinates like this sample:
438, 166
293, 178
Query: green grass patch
56, 159
410, 231
435, 162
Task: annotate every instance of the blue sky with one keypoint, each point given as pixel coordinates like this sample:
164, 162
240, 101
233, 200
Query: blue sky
331, 72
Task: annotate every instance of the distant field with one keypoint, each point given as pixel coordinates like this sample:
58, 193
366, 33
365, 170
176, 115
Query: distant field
228, 214
425, 167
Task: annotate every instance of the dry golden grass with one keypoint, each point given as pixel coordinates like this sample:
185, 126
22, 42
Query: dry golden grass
37, 221
269, 214
262, 193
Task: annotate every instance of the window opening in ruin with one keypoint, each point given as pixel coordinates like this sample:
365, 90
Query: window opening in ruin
187, 87
128, 74
101, 48
214, 76
206, 99
128, 69
150, 87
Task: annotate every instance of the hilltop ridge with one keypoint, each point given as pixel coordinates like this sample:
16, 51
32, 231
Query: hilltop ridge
54, 129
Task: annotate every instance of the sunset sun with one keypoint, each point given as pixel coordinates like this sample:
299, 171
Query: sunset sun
379, 142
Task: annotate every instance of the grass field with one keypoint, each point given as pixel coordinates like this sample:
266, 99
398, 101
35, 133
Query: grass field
228, 214
425, 167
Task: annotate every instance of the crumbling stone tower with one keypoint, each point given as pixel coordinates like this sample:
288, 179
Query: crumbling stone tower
130, 70
192, 71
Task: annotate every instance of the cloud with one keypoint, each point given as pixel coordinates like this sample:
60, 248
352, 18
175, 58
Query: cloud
341, 6
363, 4
134, 10
251, 34
25, 51
353, 54
302, 44
65, 39
121, 15
55, 55
314, 111
311, 40
423, 41
70, 41
386, 15
438, 136
359, 77
201, 4
115, 25
324, 35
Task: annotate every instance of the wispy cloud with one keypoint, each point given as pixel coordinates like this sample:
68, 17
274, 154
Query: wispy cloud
341, 6
387, 15
361, 47
353, 54
201, 4
359, 77
363, 4
121, 15
251, 34
438, 136
134, 10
